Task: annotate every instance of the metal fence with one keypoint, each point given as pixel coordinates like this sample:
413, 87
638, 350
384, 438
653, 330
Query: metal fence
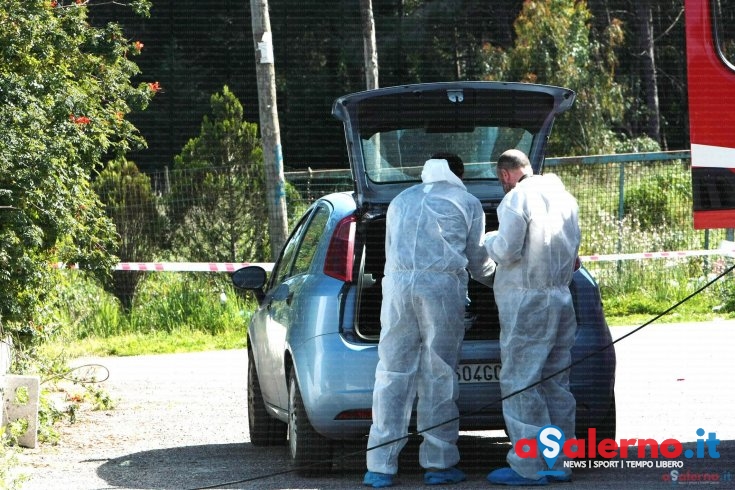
635, 214
638, 239
629, 203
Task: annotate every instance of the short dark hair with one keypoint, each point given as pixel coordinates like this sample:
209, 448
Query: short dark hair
456, 165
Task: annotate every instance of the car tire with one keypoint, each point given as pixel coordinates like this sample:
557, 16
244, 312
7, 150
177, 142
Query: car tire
264, 429
605, 429
311, 452
609, 425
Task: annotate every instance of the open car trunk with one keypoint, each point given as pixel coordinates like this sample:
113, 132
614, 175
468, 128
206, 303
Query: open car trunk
481, 315
391, 132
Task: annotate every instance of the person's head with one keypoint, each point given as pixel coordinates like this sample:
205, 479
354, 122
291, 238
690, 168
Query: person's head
512, 166
456, 165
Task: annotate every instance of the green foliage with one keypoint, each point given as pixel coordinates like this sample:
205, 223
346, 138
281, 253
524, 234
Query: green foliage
163, 302
9, 479
652, 193
649, 204
554, 45
223, 169
641, 144
170, 301
132, 205
134, 209
225, 224
66, 89
655, 202
651, 287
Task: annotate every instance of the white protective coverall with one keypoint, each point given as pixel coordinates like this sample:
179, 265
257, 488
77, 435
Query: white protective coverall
434, 232
535, 249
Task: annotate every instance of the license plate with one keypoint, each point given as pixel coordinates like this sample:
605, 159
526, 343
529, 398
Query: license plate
486, 372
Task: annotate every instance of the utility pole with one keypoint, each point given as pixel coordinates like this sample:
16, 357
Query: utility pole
270, 134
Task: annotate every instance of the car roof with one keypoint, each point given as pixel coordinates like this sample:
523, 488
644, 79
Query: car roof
390, 132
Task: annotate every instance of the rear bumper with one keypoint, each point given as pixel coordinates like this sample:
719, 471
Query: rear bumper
336, 376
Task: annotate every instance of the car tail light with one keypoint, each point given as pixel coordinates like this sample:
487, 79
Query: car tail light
358, 414
340, 254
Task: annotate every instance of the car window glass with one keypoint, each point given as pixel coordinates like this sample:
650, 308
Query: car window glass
311, 236
399, 155
723, 12
282, 268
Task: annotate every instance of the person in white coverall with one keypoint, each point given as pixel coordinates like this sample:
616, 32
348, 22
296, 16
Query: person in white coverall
535, 249
434, 233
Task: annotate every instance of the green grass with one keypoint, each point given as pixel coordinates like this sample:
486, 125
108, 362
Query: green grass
175, 312
170, 312
638, 320
133, 344
193, 341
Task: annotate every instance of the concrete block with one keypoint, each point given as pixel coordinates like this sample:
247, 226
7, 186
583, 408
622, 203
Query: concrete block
20, 400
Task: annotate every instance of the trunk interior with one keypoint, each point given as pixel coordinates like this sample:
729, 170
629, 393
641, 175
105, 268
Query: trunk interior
481, 315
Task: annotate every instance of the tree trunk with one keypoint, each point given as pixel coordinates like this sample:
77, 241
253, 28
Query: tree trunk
369, 43
648, 67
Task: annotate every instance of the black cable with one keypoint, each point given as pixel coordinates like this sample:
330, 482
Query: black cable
494, 402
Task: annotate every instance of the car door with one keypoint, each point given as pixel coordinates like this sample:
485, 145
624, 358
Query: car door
271, 322
280, 309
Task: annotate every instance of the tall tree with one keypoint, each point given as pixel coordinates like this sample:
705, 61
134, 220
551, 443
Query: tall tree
217, 201
66, 91
648, 67
652, 50
370, 45
554, 46
132, 205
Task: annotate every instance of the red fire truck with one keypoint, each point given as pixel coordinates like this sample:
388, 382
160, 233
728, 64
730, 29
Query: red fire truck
710, 38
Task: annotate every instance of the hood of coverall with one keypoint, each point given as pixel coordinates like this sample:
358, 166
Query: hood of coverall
437, 170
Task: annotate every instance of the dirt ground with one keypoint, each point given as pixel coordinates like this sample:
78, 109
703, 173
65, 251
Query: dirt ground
171, 412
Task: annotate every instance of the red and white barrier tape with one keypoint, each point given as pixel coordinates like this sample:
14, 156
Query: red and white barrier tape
649, 255
178, 266
189, 266
726, 248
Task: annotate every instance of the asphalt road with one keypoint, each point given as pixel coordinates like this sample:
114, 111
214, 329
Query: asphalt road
180, 423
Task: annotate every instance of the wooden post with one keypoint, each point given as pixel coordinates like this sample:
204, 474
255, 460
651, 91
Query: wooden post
269, 128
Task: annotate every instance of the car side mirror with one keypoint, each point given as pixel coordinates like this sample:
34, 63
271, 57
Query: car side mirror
251, 278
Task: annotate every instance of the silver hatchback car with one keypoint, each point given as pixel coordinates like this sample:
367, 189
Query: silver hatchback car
312, 343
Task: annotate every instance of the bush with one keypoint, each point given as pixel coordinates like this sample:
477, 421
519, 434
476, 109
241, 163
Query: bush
168, 301
648, 204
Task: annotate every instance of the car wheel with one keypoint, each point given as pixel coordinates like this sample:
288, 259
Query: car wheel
605, 429
311, 452
609, 425
264, 429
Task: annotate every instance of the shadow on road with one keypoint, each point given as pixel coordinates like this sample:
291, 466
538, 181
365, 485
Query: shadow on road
246, 466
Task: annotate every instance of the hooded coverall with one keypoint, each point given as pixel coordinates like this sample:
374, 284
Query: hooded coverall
535, 249
434, 233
